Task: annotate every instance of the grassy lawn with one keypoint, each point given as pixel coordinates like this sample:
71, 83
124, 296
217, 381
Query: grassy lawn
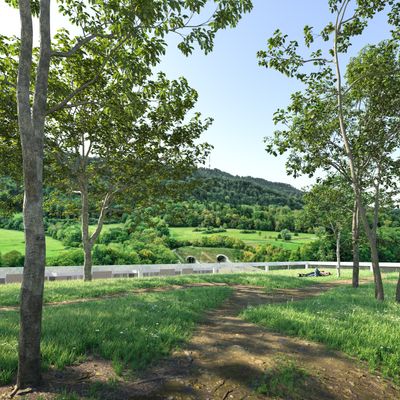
106, 227
207, 254
14, 240
132, 331
345, 319
256, 238
72, 290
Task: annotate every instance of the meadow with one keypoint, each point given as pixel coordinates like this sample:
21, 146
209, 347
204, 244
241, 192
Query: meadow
74, 290
345, 319
14, 240
254, 238
131, 331
207, 254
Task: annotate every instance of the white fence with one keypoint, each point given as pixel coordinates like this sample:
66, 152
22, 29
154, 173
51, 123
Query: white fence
14, 275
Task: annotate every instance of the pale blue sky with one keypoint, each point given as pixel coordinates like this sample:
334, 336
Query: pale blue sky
240, 95
233, 89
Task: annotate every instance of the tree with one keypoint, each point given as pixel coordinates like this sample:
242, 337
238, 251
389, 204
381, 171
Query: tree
329, 204
325, 102
124, 30
108, 150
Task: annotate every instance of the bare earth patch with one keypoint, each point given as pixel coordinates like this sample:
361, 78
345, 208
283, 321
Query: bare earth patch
229, 358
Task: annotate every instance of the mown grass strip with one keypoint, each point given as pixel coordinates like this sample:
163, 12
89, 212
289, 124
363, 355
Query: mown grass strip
347, 319
131, 331
74, 290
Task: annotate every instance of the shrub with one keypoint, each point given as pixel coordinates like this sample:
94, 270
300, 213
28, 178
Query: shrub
285, 234
107, 255
71, 236
12, 259
69, 257
115, 235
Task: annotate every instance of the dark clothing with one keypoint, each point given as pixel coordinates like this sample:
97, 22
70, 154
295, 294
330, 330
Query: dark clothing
315, 273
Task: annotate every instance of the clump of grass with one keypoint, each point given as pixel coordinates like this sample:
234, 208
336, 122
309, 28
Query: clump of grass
132, 331
285, 380
347, 319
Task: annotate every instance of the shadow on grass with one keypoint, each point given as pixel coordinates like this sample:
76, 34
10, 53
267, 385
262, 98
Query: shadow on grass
347, 319
132, 331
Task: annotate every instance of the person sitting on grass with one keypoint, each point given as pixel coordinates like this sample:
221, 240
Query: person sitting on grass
316, 272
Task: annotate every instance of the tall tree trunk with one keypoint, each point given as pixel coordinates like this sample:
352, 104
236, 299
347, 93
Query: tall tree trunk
89, 240
398, 290
86, 240
373, 244
355, 233
379, 293
338, 253
31, 126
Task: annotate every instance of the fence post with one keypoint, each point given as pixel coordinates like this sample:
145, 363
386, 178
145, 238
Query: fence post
266, 268
139, 273
306, 265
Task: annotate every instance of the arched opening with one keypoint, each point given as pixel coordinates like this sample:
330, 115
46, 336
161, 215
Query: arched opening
191, 260
221, 258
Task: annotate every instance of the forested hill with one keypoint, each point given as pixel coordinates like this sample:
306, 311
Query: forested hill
218, 186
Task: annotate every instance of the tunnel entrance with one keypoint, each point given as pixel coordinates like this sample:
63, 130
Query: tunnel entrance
221, 258
191, 259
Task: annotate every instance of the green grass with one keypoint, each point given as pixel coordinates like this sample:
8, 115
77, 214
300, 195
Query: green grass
72, 290
15, 240
106, 227
347, 319
132, 331
207, 254
256, 238
285, 380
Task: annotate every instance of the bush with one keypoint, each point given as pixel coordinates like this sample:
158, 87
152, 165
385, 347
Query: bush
107, 255
115, 235
71, 236
219, 241
285, 234
69, 257
12, 259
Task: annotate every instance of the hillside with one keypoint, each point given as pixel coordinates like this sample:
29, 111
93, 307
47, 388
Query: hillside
218, 186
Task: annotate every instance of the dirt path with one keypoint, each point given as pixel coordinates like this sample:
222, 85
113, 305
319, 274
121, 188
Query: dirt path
226, 359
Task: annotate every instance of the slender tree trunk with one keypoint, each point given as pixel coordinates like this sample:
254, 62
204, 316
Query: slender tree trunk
86, 240
31, 126
379, 293
338, 253
356, 246
398, 290
373, 244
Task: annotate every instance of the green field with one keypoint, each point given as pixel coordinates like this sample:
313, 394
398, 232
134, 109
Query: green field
74, 290
14, 240
106, 227
207, 254
345, 319
131, 331
256, 238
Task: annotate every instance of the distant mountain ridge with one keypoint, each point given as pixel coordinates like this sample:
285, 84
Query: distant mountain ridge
219, 186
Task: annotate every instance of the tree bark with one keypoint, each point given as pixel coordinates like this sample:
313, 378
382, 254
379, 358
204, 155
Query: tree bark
379, 293
31, 127
398, 290
87, 244
88, 240
372, 240
356, 246
338, 253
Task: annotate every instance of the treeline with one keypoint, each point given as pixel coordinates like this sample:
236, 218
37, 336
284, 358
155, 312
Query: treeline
214, 214
213, 185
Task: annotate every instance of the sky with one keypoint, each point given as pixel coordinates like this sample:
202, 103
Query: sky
238, 94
